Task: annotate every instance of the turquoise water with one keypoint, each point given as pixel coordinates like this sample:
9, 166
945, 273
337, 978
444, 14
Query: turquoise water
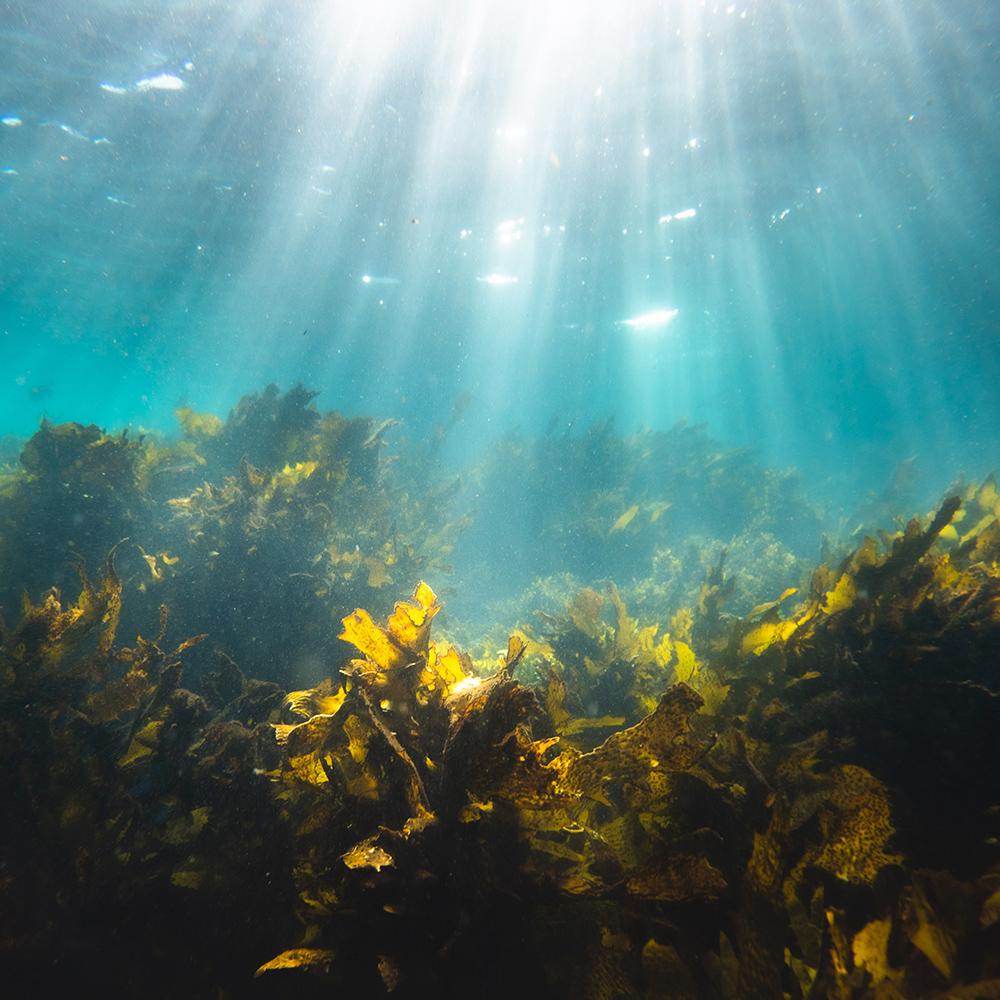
651, 326
778, 219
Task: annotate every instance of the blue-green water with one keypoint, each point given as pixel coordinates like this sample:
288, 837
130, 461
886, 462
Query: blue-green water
655, 347
396, 203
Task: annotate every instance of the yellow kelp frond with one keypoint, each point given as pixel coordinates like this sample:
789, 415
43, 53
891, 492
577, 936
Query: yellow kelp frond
768, 630
443, 673
321, 700
856, 830
317, 961
50, 637
663, 741
517, 646
367, 854
686, 664
627, 640
625, 519
842, 596
198, 425
375, 642
333, 749
403, 640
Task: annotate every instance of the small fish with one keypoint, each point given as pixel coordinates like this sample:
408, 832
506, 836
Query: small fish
114, 88
625, 519
175, 470
374, 279
11, 121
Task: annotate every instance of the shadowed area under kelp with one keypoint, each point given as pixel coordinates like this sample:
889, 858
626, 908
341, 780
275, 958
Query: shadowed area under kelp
644, 794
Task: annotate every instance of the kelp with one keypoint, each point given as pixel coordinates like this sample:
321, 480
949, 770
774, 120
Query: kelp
403, 813
278, 489
304, 497
635, 797
648, 507
616, 669
338, 523
876, 682
77, 497
432, 764
437, 766
121, 789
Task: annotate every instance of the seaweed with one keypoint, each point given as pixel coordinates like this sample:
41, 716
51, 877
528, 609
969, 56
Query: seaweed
283, 491
122, 791
664, 787
438, 770
632, 508
77, 497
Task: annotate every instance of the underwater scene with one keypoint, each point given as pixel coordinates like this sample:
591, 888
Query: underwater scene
498, 499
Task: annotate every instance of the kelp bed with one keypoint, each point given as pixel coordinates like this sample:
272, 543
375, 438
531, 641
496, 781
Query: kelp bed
801, 801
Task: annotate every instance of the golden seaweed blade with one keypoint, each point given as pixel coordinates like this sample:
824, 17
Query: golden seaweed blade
316, 961
661, 742
406, 636
403, 671
488, 753
321, 700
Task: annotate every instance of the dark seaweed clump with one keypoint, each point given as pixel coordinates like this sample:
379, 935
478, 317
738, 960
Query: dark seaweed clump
645, 795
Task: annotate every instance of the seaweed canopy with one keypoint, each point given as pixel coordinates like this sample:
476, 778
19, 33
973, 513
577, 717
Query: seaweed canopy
600, 504
303, 499
825, 829
605, 669
864, 717
74, 501
439, 772
124, 792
